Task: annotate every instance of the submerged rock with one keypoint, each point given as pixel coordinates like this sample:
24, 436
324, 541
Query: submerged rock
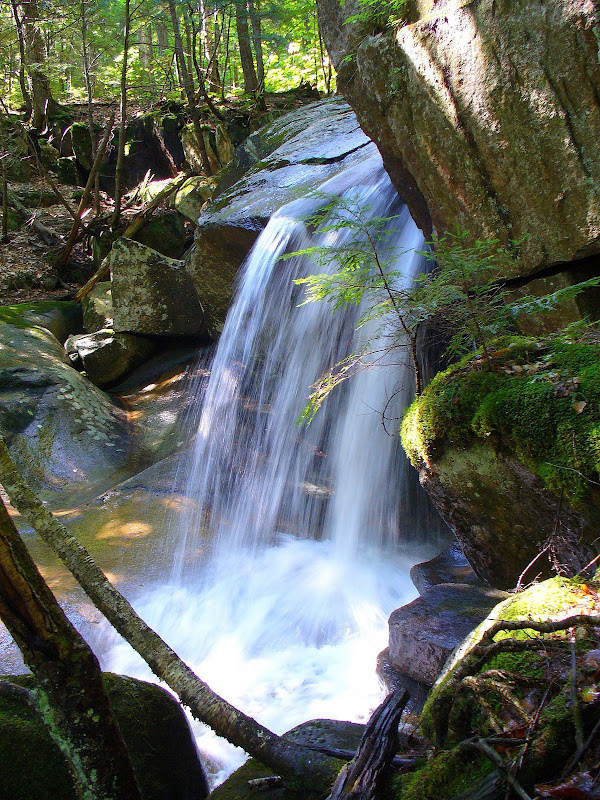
155, 730
487, 116
106, 356
152, 294
424, 633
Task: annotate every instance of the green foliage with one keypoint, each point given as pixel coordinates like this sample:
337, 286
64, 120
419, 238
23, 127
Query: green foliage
379, 13
541, 403
463, 296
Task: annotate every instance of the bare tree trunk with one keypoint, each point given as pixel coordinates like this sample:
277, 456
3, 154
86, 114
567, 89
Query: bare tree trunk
243, 34
226, 61
69, 695
35, 51
308, 767
188, 87
90, 99
255, 21
22, 60
120, 168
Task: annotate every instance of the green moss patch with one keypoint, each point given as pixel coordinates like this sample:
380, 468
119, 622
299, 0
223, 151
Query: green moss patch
442, 777
541, 404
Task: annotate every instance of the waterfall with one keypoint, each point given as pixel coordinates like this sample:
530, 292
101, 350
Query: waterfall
294, 551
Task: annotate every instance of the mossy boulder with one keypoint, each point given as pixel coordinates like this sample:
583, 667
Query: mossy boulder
152, 294
155, 729
165, 233
193, 195
97, 307
511, 456
82, 145
106, 356
35, 196
64, 433
67, 171
60, 317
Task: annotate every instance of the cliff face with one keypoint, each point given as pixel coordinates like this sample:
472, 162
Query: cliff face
487, 114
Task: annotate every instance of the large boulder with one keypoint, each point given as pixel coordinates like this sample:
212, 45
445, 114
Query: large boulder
106, 356
152, 294
487, 116
155, 730
510, 456
279, 163
165, 233
424, 633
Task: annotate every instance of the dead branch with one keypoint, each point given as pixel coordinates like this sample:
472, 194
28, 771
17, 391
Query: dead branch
86, 192
361, 778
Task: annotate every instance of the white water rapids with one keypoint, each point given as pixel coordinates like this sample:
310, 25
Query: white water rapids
299, 540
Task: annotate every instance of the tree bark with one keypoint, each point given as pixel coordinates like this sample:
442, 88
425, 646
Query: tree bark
90, 99
22, 60
188, 87
255, 21
243, 34
308, 767
35, 58
120, 168
70, 695
361, 779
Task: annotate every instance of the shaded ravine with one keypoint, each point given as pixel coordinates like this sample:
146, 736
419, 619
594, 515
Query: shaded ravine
298, 540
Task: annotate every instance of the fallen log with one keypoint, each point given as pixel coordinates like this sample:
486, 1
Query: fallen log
47, 235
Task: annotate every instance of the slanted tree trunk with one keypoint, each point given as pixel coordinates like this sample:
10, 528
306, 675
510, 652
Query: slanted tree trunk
22, 59
120, 168
188, 87
243, 34
308, 767
70, 695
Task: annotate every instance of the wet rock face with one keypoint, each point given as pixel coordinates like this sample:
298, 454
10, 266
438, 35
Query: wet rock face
60, 428
424, 633
487, 115
504, 515
281, 162
451, 566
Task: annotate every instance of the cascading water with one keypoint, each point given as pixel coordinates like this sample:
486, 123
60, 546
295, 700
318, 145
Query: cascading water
291, 557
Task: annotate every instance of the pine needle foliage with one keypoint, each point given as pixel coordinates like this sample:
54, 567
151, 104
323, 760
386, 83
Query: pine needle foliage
463, 295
